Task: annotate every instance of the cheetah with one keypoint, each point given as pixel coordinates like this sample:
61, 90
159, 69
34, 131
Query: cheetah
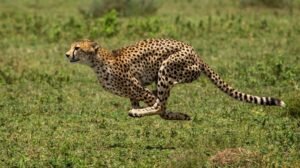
127, 71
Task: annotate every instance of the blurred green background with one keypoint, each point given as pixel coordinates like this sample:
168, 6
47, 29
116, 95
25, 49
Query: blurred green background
54, 114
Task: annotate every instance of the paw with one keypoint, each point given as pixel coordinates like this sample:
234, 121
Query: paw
148, 111
134, 113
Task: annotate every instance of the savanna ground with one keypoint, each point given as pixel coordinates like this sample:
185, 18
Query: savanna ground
54, 114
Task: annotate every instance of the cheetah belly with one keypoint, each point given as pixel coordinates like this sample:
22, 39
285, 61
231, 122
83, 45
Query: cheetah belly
145, 75
148, 77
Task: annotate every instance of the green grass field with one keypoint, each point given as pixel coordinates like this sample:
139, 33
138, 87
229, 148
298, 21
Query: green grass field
54, 114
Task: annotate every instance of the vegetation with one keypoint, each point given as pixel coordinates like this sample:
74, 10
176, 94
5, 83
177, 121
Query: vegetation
268, 3
54, 114
123, 7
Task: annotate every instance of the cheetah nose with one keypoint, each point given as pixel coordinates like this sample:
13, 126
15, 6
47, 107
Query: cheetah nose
68, 55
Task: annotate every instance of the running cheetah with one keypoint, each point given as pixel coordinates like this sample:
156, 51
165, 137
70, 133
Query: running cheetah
127, 71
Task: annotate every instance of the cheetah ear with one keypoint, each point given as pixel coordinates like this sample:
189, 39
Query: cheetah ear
95, 46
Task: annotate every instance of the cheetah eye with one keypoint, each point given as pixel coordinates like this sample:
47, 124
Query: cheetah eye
76, 48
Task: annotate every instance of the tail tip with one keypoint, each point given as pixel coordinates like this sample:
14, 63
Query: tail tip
282, 104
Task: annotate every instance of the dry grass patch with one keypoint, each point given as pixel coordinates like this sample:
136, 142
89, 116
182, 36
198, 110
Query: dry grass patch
236, 157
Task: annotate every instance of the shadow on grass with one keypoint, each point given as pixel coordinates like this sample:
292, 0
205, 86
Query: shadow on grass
148, 147
160, 148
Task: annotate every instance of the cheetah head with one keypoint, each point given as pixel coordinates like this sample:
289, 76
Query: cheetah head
82, 51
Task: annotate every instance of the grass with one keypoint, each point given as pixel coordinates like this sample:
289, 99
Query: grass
54, 114
99, 8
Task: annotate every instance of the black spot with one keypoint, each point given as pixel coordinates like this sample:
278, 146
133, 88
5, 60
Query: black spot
245, 97
225, 89
163, 85
255, 99
274, 101
263, 101
269, 101
240, 95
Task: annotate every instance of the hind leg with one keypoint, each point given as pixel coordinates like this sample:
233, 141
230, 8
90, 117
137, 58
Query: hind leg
168, 115
176, 70
164, 86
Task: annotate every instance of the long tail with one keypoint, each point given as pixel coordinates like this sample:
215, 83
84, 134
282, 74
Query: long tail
215, 78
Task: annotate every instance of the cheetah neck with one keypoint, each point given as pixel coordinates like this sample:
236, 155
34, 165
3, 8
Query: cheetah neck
101, 59
100, 63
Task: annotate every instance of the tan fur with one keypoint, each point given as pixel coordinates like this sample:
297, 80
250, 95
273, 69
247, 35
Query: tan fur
127, 71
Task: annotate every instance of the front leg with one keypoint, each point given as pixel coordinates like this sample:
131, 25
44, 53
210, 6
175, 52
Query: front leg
127, 86
137, 111
150, 100
135, 104
140, 93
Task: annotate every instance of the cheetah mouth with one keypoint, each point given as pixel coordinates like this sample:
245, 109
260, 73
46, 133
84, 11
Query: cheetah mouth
74, 60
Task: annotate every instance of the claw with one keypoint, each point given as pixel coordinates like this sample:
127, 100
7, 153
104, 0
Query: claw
134, 115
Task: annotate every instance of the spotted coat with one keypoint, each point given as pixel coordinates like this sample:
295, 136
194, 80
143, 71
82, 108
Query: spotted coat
127, 71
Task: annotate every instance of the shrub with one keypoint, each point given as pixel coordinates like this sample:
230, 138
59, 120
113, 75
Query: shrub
267, 3
107, 25
145, 27
124, 7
